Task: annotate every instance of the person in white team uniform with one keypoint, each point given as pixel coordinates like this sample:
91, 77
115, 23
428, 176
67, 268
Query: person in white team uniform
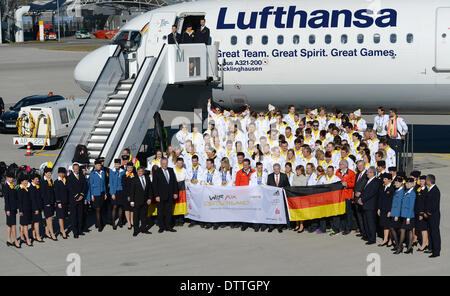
380, 123
210, 176
311, 176
391, 160
359, 123
330, 177
182, 135
195, 171
259, 177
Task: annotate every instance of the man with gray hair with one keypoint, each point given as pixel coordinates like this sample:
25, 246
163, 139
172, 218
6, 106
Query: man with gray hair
277, 179
368, 200
360, 183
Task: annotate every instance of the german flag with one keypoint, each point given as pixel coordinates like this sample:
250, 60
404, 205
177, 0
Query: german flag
180, 206
313, 202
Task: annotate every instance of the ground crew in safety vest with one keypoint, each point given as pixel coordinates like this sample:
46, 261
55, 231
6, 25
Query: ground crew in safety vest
127, 157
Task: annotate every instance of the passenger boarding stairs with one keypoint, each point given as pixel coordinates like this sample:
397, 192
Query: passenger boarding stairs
119, 110
108, 116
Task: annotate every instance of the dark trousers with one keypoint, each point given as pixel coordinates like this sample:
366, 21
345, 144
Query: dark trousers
140, 214
397, 145
76, 217
107, 210
84, 225
435, 234
359, 219
165, 210
347, 219
319, 224
370, 225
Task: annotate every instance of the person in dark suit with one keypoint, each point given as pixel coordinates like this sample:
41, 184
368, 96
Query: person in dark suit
48, 199
360, 183
202, 34
36, 207
174, 37
141, 198
76, 186
188, 35
167, 191
11, 205
62, 200
280, 180
368, 200
24, 199
433, 215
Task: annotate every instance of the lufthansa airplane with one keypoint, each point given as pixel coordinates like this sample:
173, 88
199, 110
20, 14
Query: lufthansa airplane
335, 53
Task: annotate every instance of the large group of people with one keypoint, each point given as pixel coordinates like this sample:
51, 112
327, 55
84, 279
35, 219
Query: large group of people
239, 149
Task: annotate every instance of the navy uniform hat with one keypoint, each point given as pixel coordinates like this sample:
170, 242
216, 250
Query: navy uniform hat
23, 178
381, 163
117, 160
97, 162
130, 163
387, 176
47, 170
423, 177
101, 159
61, 170
10, 174
392, 169
415, 174
33, 176
402, 174
398, 179
410, 180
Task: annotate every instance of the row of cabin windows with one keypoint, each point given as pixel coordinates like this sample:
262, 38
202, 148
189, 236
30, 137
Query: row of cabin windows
312, 39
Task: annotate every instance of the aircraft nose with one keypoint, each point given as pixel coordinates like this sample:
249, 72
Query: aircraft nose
89, 68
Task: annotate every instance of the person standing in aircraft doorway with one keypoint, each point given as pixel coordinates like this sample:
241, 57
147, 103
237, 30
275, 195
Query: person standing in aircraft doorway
188, 36
202, 34
174, 37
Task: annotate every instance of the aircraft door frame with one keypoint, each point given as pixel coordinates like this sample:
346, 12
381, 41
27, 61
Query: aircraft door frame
159, 27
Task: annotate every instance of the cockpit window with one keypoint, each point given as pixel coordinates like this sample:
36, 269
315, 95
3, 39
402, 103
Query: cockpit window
129, 40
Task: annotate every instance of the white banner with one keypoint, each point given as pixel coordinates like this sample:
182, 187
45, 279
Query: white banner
250, 204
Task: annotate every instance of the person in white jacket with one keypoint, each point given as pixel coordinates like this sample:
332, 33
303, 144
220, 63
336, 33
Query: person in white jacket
259, 177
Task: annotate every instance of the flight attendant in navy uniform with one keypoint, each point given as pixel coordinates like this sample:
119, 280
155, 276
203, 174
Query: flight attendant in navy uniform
115, 187
62, 200
75, 185
25, 214
48, 199
37, 206
10, 196
419, 210
97, 187
384, 208
127, 181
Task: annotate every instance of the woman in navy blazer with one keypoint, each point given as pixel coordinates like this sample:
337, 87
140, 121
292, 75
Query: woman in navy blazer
10, 196
62, 200
36, 207
403, 211
48, 199
24, 210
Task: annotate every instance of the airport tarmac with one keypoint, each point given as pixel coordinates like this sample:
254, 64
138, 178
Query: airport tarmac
27, 70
